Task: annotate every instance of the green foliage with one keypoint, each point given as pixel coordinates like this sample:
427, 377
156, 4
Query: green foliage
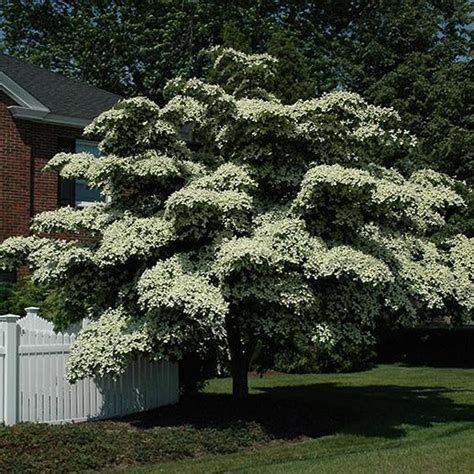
417, 57
268, 222
6, 289
293, 70
305, 357
15, 297
235, 38
413, 55
111, 60
25, 293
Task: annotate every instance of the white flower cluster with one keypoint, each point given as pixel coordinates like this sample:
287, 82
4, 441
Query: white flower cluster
15, 251
132, 237
104, 347
245, 74
322, 335
92, 219
168, 286
369, 192
219, 198
424, 274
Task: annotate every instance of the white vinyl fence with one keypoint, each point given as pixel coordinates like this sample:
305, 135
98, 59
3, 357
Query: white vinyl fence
33, 386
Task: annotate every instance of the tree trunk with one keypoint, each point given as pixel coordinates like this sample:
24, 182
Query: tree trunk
239, 361
240, 383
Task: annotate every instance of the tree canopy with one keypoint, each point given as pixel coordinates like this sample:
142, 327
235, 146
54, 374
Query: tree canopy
413, 55
238, 220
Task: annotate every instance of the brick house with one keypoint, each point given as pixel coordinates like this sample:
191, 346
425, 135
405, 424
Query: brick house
41, 114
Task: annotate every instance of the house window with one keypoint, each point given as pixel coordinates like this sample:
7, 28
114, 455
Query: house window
84, 195
76, 192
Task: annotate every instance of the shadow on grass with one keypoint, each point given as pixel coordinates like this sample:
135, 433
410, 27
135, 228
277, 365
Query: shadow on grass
290, 412
381, 410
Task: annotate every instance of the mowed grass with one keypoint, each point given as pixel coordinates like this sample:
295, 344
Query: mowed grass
390, 419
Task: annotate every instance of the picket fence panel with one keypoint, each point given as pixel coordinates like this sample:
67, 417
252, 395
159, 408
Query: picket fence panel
42, 392
2, 373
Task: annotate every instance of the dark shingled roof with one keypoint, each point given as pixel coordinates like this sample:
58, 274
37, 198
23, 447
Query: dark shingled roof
63, 96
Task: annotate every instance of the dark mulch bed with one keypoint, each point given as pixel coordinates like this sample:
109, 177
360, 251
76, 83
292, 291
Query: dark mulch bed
279, 418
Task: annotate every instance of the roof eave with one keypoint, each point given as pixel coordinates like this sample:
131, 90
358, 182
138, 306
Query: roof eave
20, 95
30, 108
38, 115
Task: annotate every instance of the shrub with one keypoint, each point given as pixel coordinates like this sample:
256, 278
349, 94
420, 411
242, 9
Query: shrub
195, 427
6, 289
15, 297
302, 356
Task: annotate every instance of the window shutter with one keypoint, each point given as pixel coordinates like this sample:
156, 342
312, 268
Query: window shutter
66, 191
7, 277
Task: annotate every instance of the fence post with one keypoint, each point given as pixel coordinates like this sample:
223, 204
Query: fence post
11, 368
32, 311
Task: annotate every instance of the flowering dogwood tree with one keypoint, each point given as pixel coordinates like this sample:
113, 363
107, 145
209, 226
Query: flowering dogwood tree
237, 220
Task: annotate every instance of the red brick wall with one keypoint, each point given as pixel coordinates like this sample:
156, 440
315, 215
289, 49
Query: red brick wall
15, 183
44, 145
25, 147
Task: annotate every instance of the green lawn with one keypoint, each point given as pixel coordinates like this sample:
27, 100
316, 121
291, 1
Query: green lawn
389, 419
